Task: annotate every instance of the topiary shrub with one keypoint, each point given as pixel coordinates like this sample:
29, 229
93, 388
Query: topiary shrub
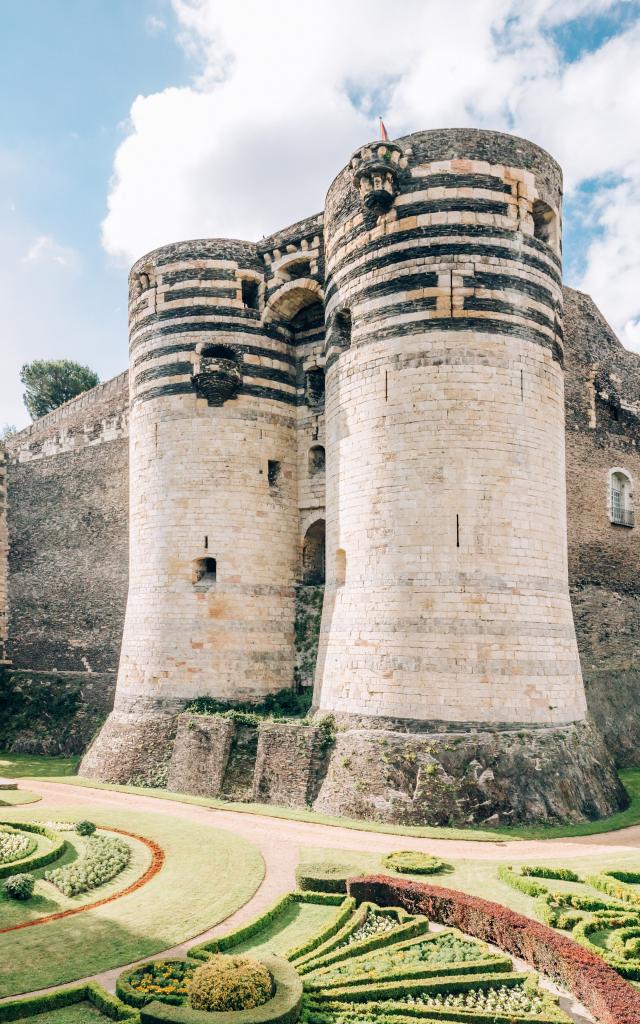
19, 887
85, 828
229, 983
326, 876
412, 862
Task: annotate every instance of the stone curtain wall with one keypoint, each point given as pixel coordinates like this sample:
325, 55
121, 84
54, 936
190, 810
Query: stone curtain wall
447, 594
68, 567
68, 535
603, 433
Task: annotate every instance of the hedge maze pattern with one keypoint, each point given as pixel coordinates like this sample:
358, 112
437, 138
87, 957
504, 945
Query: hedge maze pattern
605, 921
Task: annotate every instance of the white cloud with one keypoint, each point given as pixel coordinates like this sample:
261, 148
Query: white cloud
283, 92
49, 300
612, 275
45, 249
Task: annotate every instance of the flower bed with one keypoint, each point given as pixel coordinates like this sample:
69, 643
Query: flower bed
282, 1008
15, 845
36, 859
104, 858
165, 980
611, 999
156, 864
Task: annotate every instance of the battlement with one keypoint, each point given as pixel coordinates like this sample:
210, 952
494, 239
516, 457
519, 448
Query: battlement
94, 417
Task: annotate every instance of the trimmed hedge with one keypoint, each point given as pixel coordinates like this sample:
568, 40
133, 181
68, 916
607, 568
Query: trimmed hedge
35, 860
609, 882
507, 875
416, 925
91, 992
311, 960
342, 915
417, 968
283, 1008
539, 871
419, 973
307, 962
593, 982
627, 968
375, 991
247, 931
325, 876
413, 862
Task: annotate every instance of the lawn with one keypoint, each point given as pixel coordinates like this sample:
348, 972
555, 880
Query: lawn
20, 766
289, 929
208, 873
79, 1013
15, 797
47, 899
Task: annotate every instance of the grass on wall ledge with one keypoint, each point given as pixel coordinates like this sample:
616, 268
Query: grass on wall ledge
60, 770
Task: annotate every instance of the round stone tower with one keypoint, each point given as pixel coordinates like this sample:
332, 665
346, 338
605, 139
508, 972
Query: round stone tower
447, 604
213, 507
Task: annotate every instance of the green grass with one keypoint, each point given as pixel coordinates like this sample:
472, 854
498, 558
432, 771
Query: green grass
208, 873
15, 766
15, 797
293, 926
20, 766
78, 1013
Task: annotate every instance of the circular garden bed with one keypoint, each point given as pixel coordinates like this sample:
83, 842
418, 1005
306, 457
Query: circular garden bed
165, 990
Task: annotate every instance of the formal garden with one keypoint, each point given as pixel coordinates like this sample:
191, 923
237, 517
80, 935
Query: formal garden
102, 896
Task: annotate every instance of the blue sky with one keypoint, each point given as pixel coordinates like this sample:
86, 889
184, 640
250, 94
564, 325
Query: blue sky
132, 123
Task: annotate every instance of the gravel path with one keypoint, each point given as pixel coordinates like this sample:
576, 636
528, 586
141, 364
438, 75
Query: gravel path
279, 841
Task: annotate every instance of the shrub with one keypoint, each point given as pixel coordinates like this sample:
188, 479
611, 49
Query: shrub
85, 828
229, 983
508, 875
326, 876
19, 887
104, 859
412, 862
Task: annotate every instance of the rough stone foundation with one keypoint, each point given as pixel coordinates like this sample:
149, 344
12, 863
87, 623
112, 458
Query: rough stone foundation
499, 777
560, 774
131, 748
200, 755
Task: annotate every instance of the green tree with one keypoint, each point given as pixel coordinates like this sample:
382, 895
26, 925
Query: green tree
51, 382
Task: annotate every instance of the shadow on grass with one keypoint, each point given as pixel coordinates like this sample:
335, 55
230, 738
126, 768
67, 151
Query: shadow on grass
17, 766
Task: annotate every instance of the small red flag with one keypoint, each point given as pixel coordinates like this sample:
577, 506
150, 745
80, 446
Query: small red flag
383, 131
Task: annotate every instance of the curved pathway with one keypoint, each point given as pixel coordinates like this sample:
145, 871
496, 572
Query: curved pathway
279, 841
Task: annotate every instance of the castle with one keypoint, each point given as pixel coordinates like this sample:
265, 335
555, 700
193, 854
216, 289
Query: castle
407, 369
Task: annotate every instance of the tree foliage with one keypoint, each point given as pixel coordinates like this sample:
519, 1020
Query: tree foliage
52, 382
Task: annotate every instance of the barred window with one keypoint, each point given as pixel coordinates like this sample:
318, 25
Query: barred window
621, 498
